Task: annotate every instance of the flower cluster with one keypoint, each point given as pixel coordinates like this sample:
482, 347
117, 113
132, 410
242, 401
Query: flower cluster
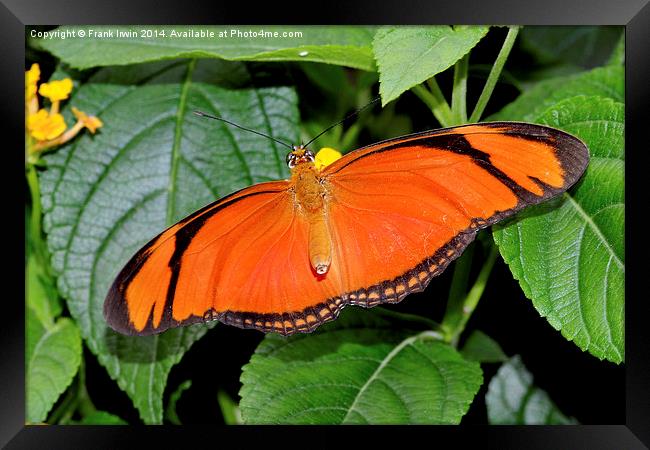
47, 128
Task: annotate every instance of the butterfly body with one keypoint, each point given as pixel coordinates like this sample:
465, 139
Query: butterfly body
370, 228
311, 197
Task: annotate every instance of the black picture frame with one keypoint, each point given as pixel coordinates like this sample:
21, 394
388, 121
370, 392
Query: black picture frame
633, 14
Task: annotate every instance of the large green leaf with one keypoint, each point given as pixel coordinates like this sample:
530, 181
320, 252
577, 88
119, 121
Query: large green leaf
360, 369
340, 45
407, 56
152, 163
53, 358
513, 399
568, 254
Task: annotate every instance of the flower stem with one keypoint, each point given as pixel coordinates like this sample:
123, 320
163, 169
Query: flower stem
494, 74
459, 92
435, 101
460, 308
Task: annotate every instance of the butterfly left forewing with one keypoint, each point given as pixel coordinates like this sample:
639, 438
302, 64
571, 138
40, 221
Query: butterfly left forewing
170, 281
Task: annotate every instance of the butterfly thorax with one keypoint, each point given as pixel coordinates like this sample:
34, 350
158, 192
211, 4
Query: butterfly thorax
308, 187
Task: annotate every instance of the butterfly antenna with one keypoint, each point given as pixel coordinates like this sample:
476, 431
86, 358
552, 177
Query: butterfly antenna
202, 114
341, 121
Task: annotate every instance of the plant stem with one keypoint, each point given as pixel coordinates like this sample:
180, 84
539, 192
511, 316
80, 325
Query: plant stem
459, 93
494, 74
35, 231
85, 405
458, 290
460, 316
435, 101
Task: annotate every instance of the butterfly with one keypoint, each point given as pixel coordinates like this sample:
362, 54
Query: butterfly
370, 228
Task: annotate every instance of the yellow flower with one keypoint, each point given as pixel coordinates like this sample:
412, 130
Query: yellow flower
325, 157
56, 90
45, 126
48, 128
90, 122
31, 80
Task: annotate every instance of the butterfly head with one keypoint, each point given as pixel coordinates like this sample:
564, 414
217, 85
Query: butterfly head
299, 155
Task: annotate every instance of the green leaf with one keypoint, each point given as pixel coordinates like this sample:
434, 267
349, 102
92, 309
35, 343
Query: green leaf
606, 82
54, 355
512, 399
568, 254
360, 369
407, 56
342, 45
152, 163
586, 46
170, 412
482, 348
101, 418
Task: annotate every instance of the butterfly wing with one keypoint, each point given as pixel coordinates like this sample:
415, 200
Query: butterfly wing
398, 213
402, 209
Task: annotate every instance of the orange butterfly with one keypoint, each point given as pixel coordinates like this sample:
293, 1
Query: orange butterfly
370, 228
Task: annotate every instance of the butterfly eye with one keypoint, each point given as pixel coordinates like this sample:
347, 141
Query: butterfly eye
291, 160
